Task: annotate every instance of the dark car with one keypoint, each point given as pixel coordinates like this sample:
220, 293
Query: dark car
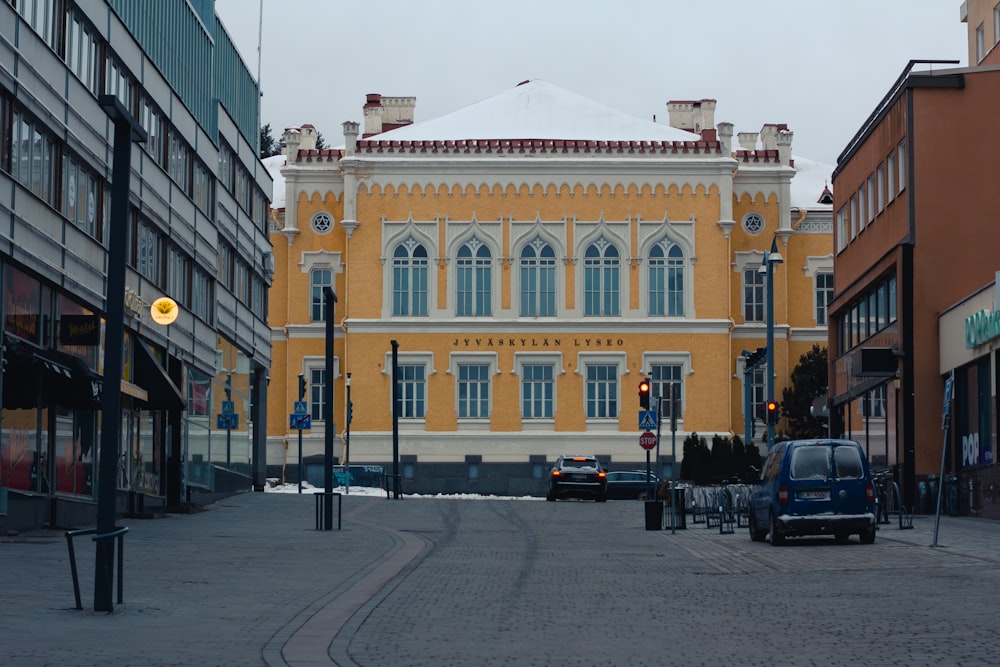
631, 484
578, 477
814, 487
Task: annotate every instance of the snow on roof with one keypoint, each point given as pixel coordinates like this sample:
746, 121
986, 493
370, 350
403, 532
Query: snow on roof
273, 165
537, 110
811, 178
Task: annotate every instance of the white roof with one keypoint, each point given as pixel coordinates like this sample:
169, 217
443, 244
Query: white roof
807, 186
537, 110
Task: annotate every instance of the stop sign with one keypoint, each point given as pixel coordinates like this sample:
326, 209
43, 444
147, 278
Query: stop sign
647, 440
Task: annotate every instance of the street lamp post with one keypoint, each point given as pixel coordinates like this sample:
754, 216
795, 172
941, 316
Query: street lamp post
328, 426
770, 259
347, 437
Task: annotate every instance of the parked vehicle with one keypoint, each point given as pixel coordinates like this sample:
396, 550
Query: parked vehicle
813, 487
578, 477
631, 484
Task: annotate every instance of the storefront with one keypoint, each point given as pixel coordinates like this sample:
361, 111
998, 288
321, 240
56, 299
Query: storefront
970, 338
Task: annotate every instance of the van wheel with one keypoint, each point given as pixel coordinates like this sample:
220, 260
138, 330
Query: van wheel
868, 535
756, 534
777, 539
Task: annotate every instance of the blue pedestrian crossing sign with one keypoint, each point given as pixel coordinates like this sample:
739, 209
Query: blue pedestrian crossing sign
300, 408
647, 420
228, 408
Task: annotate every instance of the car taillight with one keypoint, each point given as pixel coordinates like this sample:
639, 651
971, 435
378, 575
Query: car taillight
602, 474
783, 495
869, 493
556, 473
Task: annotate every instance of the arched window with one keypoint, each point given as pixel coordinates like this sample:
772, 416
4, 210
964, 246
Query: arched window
601, 279
538, 280
409, 279
666, 280
474, 280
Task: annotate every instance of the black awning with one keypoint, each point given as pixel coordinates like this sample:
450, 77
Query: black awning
162, 393
39, 377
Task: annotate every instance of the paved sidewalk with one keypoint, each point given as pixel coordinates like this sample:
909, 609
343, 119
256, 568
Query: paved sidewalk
249, 581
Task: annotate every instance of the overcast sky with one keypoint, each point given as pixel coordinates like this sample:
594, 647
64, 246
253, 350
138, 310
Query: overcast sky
818, 66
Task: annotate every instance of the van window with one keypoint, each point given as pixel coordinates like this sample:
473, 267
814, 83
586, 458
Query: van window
810, 463
848, 462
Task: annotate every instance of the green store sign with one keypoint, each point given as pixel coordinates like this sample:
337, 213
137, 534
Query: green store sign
981, 327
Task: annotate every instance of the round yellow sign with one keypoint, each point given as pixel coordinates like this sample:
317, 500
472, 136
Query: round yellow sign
164, 310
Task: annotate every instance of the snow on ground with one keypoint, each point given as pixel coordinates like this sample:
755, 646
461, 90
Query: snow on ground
371, 491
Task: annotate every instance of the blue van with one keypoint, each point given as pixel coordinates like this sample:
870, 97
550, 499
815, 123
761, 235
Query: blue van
813, 487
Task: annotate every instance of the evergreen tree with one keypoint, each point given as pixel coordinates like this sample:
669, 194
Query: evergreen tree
722, 458
320, 141
268, 145
808, 381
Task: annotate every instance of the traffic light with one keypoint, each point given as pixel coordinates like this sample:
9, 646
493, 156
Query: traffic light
302, 386
644, 394
773, 409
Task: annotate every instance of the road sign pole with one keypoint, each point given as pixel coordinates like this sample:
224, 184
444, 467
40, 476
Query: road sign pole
302, 393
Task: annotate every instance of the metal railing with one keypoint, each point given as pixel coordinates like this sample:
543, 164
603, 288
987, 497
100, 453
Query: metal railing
117, 532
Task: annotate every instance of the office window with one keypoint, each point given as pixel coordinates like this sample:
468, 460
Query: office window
758, 389
996, 24
538, 280
473, 391
753, 295
178, 275
147, 250
873, 403
980, 43
871, 197
602, 391
179, 162
537, 391
84, 198
890, 171
881, 188
891, 286
824, 294
842, 222
227, 170
666, 280
667, 385
474, 278
155, 125
602, 266
901, 165
318, 279
409, 279
854, 215
203, 188
858, 224
202, 293
412, 391
81, 51
226, 266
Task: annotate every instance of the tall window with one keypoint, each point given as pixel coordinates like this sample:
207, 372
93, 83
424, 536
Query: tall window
317, 384
824, 294
538, 280
890, 170
842, 222
473, 391
666, 280
602, 391
871, 197
901, 165
178, 275
409, 279
666, 385
757, 389
753, 295
537, 392
881, 188
412, 391
980, 43
318, 279
602, 265
873, 403
147, 250
474, 280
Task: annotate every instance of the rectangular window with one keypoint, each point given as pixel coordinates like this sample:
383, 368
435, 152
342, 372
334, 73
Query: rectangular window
226, 266
179, 162
758, 388
863, 196
996, 24
537, 392
155, 125
842, 227
824, 293
147, 250
892, 299
412, 391
201, 296
319, 278
881, 188
178, 275
871, 197
753, 295
473, 391
873, 403
980, 43
317, 390
668, 388
901, 165
602, 392
890, 170
854, 215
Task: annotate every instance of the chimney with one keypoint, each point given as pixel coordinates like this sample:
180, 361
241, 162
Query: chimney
784, 144
373, 112
350, 137
726, 138
692, 116
748, 140
769, 135
290, 140
307, 137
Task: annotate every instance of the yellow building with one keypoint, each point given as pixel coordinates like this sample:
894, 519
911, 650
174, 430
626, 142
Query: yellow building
534, 256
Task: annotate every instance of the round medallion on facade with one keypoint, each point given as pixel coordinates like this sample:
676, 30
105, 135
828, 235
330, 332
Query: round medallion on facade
322, 222
753, 223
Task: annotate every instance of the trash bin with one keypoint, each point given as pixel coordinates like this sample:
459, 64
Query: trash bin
654, 515
951, 494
